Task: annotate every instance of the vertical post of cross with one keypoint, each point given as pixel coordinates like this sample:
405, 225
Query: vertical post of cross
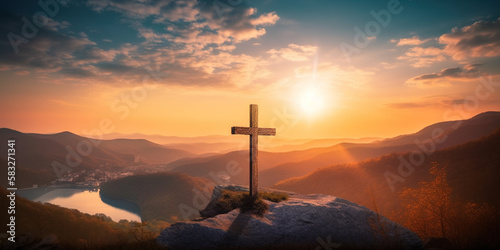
254, 149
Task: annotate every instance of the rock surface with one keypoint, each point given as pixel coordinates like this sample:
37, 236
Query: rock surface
309, 221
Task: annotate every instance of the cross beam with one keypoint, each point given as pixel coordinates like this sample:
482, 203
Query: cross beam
254, 131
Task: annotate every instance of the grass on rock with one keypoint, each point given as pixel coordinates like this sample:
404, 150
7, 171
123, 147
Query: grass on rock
230, 200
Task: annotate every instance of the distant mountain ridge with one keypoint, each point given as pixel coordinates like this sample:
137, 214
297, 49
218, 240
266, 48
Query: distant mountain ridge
220, 144
275, 167
35, 153
454, 133
459, 131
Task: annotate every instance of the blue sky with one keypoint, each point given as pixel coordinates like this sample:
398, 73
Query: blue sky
424, 61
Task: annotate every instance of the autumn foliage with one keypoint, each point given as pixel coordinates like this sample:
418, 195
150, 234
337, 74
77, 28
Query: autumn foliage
433, 211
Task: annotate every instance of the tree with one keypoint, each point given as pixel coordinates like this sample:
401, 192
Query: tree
427, 207
432, 211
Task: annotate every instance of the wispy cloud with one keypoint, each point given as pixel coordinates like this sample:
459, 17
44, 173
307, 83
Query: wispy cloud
413, 41
55, 25
442, 77
22, 73
426, 102
65, 103
423, 57
294, 52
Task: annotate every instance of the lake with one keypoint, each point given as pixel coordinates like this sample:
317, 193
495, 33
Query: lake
84, 199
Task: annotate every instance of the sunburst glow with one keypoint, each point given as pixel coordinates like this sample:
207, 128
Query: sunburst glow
311, 101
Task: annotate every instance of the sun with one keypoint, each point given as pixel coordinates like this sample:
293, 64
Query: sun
311, 101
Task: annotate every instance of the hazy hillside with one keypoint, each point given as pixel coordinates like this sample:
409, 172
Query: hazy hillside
147, 151
35, 154
157, 195
318, 143
456, 131
201, 148
338, 154
36, 150
161, 139
99, 152
275, 167
196, 145
473, 170
225, 143
214, 165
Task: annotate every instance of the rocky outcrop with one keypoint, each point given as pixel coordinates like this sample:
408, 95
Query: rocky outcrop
309, 221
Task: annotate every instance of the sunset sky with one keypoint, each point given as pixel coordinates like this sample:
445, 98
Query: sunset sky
317, 69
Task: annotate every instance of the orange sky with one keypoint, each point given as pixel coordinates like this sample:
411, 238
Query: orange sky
170, 78
343, 112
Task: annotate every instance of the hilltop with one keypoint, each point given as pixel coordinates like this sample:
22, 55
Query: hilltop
301, 222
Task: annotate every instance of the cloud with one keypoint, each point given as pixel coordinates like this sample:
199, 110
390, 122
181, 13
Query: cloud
426, 102
199, 19
387, 65
478, 40
407, 105
55, 25
48, 50
294, 52
197, 40
266, 19
457, 73
22, 73
143, 9
423, 57
238, 24
413, 41
481, 39
57, 57
187, 40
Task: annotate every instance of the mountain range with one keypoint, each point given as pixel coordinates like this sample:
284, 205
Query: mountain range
275, 167
37, 152
220, 144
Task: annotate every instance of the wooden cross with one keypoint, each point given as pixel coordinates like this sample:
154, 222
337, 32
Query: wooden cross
254, 131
